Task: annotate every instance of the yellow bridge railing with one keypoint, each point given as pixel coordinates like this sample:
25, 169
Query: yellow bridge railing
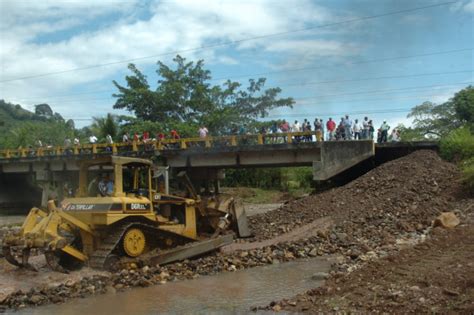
153, 145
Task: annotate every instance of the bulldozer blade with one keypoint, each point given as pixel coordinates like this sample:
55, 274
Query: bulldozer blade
25, 257
53, 261
241, 220
7, 252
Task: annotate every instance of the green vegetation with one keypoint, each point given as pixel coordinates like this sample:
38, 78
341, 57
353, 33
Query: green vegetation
20, 127
184, 100
296, 180
468, 172
458, 145
453, 124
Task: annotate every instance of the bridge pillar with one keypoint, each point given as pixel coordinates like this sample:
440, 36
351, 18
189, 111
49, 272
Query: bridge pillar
336, 158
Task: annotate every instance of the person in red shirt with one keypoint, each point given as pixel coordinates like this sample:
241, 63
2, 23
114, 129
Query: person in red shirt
331, 128
135, 137
174, 135
146, 136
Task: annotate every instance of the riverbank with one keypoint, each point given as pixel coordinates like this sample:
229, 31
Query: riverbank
436, 276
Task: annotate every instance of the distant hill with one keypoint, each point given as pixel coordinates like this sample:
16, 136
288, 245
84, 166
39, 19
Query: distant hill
21, 127
11, 115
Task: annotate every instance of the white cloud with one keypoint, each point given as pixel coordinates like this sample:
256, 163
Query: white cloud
469, 7
40, 37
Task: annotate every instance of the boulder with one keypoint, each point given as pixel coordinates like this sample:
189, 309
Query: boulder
447, 220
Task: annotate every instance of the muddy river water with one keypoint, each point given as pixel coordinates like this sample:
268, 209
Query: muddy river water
230, 292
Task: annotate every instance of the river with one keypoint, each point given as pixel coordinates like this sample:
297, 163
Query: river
230, 292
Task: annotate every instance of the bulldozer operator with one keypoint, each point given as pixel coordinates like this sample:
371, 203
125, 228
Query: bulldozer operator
101, 185
106, 186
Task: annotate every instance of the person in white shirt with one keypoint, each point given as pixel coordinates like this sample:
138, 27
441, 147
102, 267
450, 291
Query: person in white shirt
357, 129
296, 128
365, 128
395, 135
203, 132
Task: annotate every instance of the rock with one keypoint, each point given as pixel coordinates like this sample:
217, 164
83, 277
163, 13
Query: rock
415, 288
110, 289
119, 286
447, 220
313, 252
244, 254
320, 276
145, 269
450, 292
35, 299
276, 308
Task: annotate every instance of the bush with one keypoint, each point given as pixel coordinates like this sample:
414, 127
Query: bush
468, 172
458, 145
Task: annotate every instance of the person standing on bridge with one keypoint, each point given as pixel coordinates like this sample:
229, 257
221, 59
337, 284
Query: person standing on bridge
331, 128
357, 129
92, 139
322, 129
284, 127
109, 141
126, 138
347, 128
365, 128
296, 128
371, 130
384, 128
203, 132
317, 129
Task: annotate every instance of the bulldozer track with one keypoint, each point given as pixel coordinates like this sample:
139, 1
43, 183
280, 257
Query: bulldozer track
100, 255
110, 243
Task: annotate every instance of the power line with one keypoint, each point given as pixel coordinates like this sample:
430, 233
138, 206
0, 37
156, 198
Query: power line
383, 91
376, 111
378, 78
365, 18
349, 63
279, 85
413, 97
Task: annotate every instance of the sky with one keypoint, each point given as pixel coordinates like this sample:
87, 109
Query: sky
375, 58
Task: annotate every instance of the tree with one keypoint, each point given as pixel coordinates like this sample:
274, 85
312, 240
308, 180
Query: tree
43, 110
432, 119
184, 98
70, 123
463, 102
103, 126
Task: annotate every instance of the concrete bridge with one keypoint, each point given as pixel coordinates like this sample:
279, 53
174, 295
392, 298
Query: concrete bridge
47, 169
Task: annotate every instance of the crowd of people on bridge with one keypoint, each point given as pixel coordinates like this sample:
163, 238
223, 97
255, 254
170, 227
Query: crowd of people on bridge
306, 131
345, 129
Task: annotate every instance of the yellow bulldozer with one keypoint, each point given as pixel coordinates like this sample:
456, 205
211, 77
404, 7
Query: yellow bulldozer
120, 211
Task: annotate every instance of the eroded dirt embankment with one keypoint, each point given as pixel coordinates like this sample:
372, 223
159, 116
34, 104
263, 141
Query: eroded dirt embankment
436, 276
395, 201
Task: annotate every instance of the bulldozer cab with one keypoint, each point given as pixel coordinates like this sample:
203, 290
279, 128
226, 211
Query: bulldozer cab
115, 177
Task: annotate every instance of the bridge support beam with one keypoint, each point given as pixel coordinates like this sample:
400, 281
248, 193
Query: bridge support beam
336, 158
